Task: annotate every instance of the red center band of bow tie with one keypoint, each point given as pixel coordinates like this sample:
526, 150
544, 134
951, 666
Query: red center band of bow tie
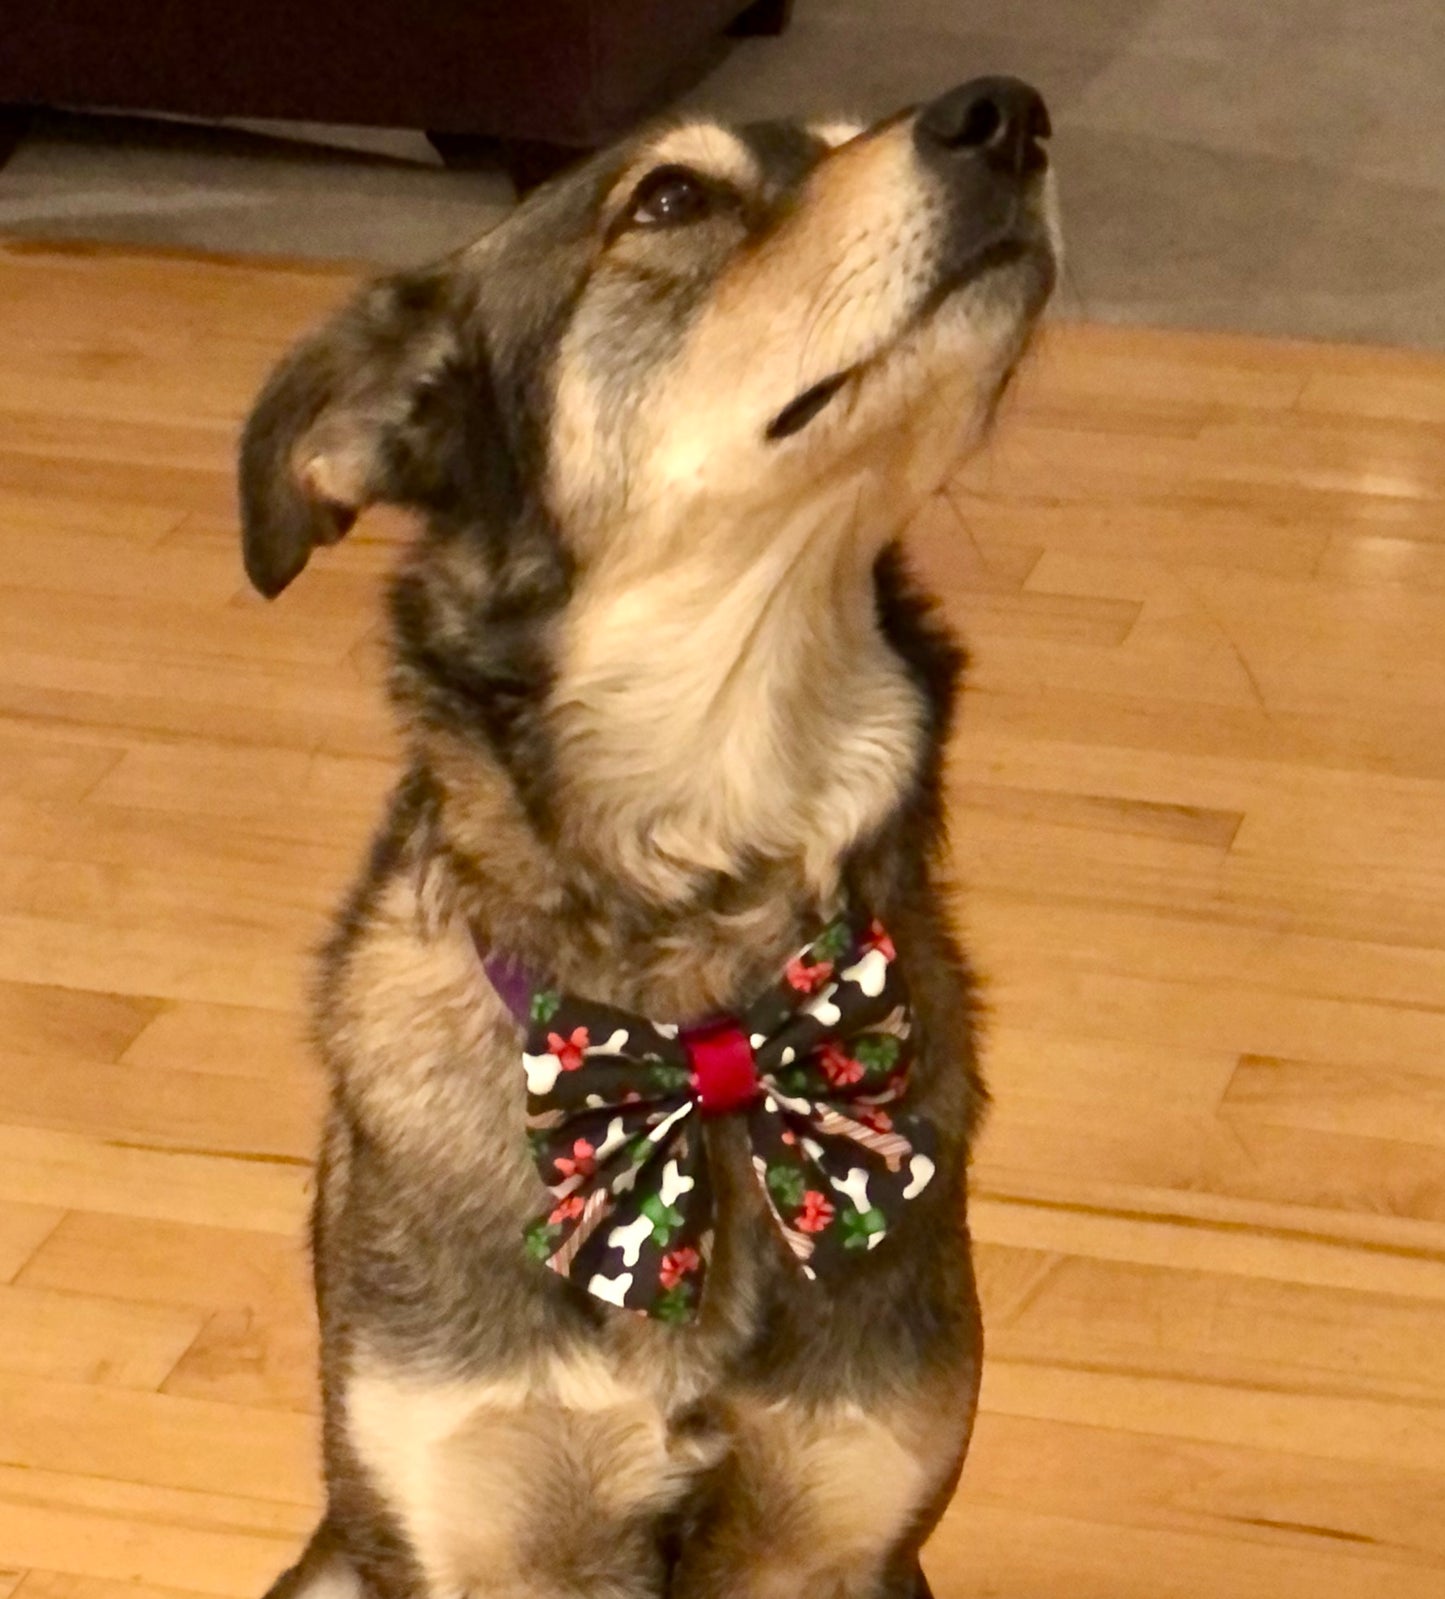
724, 1072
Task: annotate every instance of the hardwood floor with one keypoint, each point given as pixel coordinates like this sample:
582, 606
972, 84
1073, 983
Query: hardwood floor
1199, 820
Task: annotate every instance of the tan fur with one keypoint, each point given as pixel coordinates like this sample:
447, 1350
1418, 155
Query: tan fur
336, 1580
817, 1497
696, 677
416, 1021
565, 1453
562, 1454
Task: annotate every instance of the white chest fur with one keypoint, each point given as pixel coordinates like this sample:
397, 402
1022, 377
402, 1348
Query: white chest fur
735, 705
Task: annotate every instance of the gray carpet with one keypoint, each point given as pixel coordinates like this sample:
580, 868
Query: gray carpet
1273, 166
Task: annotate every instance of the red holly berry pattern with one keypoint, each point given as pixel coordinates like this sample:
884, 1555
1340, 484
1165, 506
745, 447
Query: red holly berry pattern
582, 1162
676, 1265
838, 1066
817, 1213
571, 1051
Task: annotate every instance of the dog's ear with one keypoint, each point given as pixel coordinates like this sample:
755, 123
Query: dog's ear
339, 425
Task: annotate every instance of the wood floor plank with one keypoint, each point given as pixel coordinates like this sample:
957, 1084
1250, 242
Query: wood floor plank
43, 769
288, 792
1284, 1243
181, 1110
1044, 1309
240, 1040
237, 702
23, 1229
1215, 1013
1368, 1431
80, 1337
153, 1261
202, 960
60, 1585
263, 1358
1246, 1497
1236, 1159
252, 1307
70, 1171
106, 1534
155, 1440
39, 1019
991, 1551
1403, 1107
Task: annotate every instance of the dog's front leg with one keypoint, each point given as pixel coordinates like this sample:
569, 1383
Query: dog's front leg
829, 1501
530, 1484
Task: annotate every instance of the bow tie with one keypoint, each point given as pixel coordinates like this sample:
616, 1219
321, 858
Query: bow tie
817, 1065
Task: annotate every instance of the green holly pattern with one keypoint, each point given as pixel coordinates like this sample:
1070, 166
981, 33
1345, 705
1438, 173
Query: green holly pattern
832, 943
877, 1053
860, 1225
665, 1219
787, 1185
675, 1304
541, 1239
546, 1002
667, 1078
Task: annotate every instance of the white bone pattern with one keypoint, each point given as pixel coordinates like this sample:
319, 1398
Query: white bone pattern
822, 1009
855, 1185
674, 1184
870, 974
612, 1289
629, 1240
613, 1139
542, 1072
920, 1172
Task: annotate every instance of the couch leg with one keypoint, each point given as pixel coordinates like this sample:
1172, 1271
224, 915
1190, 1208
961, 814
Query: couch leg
763, 19
528, 162
531, 162
14, 125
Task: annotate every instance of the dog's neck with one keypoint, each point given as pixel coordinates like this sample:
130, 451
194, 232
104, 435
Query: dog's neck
727, 727
735, 703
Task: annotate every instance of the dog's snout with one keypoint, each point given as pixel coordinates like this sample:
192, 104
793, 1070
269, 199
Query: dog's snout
999, 120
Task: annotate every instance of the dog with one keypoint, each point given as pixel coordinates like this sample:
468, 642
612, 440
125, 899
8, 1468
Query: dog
674, 716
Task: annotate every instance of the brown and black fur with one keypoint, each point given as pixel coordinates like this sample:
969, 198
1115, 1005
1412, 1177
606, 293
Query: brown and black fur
489, 1429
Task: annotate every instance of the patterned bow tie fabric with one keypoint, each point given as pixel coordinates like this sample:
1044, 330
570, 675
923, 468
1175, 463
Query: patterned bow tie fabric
817, 1067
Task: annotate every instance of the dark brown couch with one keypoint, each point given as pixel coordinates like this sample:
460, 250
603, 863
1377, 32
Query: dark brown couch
570, 73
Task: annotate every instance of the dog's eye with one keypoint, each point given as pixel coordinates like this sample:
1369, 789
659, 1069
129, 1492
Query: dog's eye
670, 197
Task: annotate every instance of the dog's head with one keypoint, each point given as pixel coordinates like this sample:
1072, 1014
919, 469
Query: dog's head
697, 335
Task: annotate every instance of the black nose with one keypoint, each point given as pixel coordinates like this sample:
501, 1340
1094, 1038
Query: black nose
1001, 120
